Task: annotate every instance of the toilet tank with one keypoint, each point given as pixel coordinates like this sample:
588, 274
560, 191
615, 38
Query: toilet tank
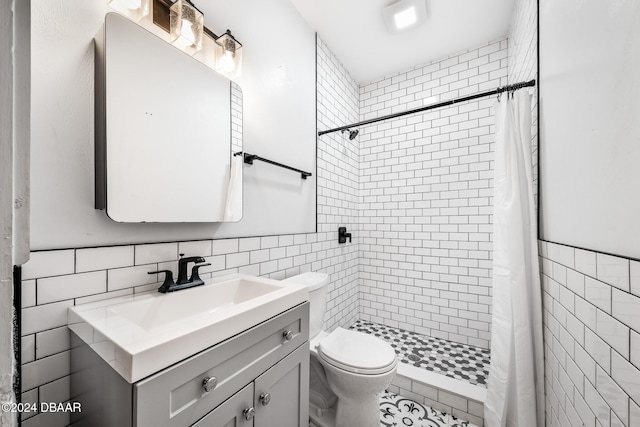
317, 285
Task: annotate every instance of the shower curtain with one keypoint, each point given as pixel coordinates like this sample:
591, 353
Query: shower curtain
515, 389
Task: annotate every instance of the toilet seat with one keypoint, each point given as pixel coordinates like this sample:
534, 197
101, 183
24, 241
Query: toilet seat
357, 352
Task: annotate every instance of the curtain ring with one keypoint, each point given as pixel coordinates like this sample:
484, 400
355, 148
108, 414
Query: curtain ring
499, 94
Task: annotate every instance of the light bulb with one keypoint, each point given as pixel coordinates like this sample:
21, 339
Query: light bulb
227, 63
229, 55
186, 33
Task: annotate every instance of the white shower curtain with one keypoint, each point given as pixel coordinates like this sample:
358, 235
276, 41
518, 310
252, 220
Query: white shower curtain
515, 389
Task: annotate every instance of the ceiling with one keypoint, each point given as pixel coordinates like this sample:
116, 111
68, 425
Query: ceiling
355, 32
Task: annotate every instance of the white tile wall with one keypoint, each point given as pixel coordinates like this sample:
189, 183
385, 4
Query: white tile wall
592, 354
425, 198
523, 65
56, 280
635, 277
92, 259
626, 308
598, 293
586, 262
49, 263
613, 270
58, 288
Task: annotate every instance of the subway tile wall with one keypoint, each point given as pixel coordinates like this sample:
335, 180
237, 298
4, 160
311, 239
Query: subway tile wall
523, 65
523, 42
592, 337
55, 280
426, 198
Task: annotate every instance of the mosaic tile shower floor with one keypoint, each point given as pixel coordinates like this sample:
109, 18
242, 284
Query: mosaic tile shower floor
398, 411
460, 361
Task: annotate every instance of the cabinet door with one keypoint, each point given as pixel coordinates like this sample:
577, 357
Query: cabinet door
232, 412
282, 392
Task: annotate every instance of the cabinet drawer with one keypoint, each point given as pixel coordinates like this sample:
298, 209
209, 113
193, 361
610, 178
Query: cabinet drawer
176, 396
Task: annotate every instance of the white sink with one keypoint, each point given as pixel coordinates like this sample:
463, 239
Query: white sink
153, 313
142, 334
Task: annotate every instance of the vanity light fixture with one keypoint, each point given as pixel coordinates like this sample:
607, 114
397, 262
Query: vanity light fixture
229, 56
186, 26
403, 15
133, 9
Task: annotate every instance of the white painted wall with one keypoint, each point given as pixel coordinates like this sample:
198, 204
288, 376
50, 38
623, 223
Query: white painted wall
590, 132
278, 85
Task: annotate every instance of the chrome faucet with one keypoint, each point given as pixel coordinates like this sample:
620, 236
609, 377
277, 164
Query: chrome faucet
182, 283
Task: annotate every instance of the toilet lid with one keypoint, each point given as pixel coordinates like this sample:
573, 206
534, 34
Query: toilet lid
357, 352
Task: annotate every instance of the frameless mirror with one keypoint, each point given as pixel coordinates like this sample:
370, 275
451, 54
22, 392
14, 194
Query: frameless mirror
167, 126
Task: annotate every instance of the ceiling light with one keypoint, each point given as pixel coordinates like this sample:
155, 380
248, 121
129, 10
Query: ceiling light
404, 15
405, 18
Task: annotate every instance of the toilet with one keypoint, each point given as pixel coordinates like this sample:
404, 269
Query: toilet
348, 369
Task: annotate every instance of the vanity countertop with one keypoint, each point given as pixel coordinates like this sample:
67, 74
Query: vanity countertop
144, 333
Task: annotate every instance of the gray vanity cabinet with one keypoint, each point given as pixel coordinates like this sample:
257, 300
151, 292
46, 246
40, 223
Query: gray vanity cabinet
258, 378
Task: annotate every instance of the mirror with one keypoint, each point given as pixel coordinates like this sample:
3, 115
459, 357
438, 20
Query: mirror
167, 126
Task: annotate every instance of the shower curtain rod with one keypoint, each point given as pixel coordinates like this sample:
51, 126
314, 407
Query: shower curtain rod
512, 87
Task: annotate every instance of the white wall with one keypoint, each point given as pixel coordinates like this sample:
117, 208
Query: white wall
590, 135
426, 198
278, 84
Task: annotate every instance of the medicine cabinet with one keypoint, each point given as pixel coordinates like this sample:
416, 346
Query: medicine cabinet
167, 126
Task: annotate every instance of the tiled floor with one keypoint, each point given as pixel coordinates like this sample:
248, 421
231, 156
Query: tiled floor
398, 411
455, 360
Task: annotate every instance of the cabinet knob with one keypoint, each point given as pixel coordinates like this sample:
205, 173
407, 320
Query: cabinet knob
265, 398
287, 335
249, 413
209, 383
